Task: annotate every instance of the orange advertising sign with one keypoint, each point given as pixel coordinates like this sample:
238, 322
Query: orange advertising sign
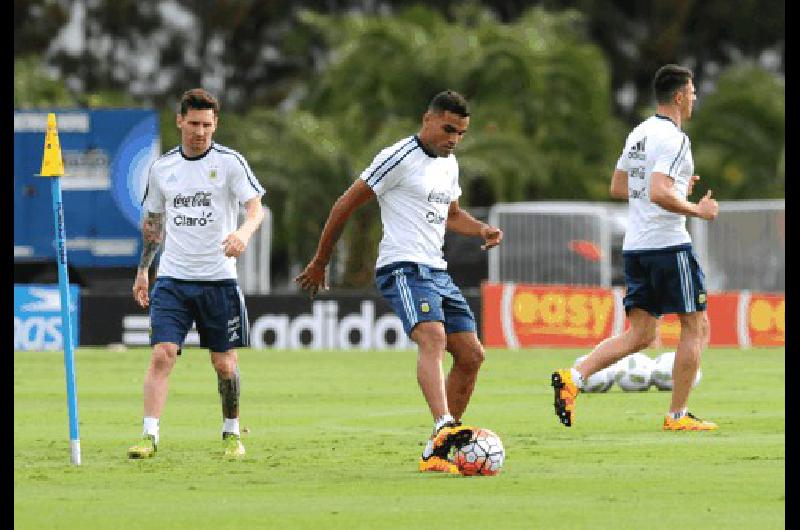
766, 320
537, 315
523, 315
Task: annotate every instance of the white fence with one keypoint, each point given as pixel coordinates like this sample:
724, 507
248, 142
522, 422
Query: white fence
744, 247
579, 243
253, 267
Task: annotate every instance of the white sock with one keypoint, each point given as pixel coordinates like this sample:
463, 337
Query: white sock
441, 421
231, 425
678, 415
151, 427
428, 449
577, 378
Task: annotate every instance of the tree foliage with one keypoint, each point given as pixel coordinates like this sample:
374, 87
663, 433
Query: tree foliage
311, 90
738, 135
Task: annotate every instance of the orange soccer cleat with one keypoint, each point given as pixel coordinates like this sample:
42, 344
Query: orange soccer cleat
565, 393
688, 422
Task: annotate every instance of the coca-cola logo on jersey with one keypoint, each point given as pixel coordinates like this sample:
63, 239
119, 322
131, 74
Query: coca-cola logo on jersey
201, 198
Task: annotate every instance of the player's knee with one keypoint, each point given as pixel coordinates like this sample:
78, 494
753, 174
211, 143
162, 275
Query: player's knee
472, 359
225, 366
430, 338
164, 356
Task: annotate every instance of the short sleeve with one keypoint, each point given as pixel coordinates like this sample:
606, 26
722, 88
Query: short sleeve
623, 163
153, 200
671, 154
244, 184
456, 189
383, 173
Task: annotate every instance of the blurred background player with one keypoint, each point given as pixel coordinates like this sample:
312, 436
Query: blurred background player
193, 193
662, 275
416, 184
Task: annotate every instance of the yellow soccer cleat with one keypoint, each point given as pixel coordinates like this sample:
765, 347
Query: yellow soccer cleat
146, 448
437, 464
565, 393
688, 422
232, 445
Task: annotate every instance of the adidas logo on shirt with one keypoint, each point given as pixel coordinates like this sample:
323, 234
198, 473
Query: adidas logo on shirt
637, 150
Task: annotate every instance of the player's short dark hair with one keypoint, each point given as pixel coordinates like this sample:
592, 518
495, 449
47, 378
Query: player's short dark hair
668, 79
198, 99
449, 100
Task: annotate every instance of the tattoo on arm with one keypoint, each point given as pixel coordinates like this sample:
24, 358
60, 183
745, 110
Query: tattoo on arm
152, 236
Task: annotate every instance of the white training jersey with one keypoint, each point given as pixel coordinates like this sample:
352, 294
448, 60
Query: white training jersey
655, 145
414, 190
200, 197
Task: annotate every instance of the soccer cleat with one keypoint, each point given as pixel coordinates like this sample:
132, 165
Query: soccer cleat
437, 464
688, 422
565, 393
451, 434
232, 445
146, 448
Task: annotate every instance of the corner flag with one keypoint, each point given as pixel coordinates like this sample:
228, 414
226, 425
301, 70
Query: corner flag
53, 166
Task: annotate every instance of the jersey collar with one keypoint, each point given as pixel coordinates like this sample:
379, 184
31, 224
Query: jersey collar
662, 117
198, 157
421, 146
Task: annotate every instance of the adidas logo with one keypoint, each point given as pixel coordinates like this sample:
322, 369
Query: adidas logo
637, 150
172, 178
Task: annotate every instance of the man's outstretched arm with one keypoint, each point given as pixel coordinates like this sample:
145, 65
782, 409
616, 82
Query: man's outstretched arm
313, 276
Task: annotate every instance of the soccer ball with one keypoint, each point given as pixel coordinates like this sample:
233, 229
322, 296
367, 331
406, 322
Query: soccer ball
599, 381
662, 372
483, 454
634, 372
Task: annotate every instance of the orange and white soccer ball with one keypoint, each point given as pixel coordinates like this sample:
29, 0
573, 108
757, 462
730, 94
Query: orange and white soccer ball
483, 454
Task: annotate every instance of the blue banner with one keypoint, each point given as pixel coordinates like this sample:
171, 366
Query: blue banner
107, 154
37, 317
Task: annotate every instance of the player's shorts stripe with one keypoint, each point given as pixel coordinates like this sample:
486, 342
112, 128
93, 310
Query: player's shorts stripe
692, 294
388, 158
685, 276
405, 296
680, 155
238, 157
243, 319
375, 183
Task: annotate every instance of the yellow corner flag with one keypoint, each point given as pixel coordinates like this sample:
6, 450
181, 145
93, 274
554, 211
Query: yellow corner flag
52, 163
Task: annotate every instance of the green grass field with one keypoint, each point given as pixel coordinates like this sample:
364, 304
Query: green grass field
334, 439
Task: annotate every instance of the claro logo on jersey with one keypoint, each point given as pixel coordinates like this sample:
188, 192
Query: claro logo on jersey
186, 220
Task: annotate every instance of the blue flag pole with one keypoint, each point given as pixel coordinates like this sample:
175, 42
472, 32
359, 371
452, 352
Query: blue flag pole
53, 166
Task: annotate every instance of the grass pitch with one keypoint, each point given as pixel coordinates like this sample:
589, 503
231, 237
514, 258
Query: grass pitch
334, 439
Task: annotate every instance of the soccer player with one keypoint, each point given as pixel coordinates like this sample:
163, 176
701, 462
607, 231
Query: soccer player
662, 275
416, 184
193, 194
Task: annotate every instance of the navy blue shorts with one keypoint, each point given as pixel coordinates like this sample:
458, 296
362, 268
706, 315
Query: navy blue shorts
662, 281
418, 293
217, 307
